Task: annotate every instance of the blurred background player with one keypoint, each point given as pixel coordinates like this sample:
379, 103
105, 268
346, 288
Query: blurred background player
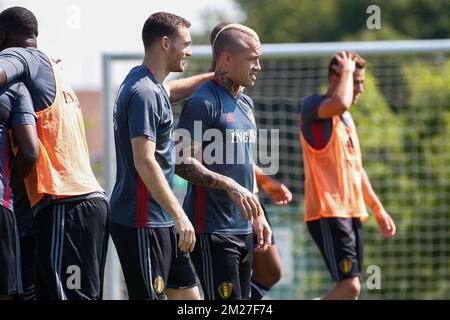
219, 200
72, 216
336, 186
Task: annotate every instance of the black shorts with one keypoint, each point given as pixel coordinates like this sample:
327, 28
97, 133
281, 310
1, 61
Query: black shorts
224, 265
27, 258
340, 241
10, 271
71, 240
255, 241
151, 261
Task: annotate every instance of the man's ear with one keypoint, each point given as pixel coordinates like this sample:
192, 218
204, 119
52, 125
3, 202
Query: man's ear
226, 56
165, 43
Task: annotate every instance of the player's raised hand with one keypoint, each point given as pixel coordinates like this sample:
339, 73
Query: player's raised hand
186, 232
245, 200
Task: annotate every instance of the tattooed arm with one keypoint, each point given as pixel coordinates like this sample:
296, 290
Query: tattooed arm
196, 173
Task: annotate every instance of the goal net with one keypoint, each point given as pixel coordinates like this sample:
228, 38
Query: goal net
403, 122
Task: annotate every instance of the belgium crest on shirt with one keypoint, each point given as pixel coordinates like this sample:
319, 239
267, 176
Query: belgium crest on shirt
225, 290
251, 116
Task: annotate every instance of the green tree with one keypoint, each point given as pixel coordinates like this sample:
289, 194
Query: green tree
335, 20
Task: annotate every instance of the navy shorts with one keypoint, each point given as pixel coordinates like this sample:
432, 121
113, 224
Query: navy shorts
224, 265
340, 241
10, 271
27, 258
151, 261
71, 242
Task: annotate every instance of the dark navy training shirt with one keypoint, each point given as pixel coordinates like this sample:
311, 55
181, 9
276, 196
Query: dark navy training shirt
16, 109
142, 108
316, 131
231, 122
34, 69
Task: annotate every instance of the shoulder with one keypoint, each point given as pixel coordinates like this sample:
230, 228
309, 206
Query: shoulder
13, 51
206, 94
139, 85
28, 55
313, 100
311, 104
247, 100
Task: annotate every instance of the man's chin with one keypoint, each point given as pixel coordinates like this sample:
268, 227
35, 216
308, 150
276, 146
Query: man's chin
248, 84
178, 69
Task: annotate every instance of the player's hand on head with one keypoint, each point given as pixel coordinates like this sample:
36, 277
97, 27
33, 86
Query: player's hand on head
186, 233
346, 62
245, 200
386, 224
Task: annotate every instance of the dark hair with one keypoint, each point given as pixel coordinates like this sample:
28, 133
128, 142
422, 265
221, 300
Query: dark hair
213, 36
161, 24
360, 62
19, 20
216, 30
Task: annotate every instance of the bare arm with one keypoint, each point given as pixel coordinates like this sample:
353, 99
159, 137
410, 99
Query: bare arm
278, 192
342, 97
182, 88
153, 178
2, 78
26, 143
385, 222
193, 171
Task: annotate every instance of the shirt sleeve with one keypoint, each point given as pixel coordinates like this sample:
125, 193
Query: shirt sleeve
143, 114
310, 109
17, 63
22, 111
197, 112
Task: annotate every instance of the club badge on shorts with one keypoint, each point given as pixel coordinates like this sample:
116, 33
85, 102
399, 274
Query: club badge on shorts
346, 265
225, 290
158, 285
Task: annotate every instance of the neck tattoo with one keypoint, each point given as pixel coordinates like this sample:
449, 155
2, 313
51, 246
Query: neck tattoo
226, 82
